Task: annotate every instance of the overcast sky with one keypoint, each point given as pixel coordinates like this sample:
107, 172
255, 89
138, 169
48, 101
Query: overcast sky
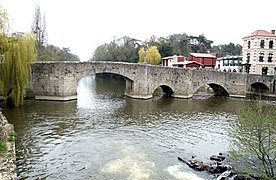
82, 25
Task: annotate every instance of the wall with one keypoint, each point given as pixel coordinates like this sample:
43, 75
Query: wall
8, 160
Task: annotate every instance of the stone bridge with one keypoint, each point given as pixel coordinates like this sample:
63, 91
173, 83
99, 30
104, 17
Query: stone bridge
58, 80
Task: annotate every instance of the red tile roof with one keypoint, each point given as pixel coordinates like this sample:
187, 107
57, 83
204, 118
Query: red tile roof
260, 33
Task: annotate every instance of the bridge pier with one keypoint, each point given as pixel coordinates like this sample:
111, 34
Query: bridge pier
137, 91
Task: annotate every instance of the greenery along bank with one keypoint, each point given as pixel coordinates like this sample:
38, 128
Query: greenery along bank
254, 145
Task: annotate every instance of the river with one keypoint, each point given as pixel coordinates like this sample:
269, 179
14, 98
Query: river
106, 135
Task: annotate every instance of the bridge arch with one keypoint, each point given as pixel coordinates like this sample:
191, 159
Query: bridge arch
258, 87
167, 90
129, 83
218, 89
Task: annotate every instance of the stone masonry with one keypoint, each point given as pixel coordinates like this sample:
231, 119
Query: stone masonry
8, 159
58, 80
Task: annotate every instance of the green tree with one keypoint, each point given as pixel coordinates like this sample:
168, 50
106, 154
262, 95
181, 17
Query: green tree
124, 49
17, 52
228, 49
141, 54
53, 53
254, 143
165, 48
152, 55
199, 44
180, 44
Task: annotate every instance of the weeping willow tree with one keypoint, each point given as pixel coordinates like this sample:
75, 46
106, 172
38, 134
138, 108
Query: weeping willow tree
141, 54
17, 52
152, 55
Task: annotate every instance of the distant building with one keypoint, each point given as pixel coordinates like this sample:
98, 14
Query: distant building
172, 61
229, 64
259, 53
180, 61
207, 60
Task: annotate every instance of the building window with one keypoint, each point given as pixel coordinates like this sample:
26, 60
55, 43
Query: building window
262, 44
248, 44
270, 55
264, 70
271, 44
261, 57
248, 58
226, 62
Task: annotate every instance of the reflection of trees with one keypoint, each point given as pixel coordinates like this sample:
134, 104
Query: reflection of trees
41, 113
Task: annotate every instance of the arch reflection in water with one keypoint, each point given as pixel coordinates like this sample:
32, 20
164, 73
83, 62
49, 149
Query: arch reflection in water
85, 92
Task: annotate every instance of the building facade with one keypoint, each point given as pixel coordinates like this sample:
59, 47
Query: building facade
207, 60
172, 61
180, 61
229, 64
259, 53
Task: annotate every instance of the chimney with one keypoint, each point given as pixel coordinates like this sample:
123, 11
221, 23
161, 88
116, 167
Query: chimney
272, 31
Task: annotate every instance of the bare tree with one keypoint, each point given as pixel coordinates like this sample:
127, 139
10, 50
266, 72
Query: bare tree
39, 28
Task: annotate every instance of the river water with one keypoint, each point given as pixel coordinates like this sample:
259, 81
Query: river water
105, 135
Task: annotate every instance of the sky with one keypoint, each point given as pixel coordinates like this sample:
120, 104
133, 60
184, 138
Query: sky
83, 25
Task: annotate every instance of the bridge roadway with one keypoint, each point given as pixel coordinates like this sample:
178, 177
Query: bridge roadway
58, 80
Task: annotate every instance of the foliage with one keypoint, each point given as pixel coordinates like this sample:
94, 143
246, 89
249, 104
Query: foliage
199, 44
165, 48
152, 55
53, 53
18, 52
124, 49
141, 54
3, 148
255, 140
11, 136
228, 49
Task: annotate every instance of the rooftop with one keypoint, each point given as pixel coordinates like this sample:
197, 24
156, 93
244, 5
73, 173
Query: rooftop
202, 55
261, 33
171, 57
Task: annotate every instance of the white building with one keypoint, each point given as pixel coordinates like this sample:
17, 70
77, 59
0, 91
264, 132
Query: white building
172, 61
259, 53
229, 64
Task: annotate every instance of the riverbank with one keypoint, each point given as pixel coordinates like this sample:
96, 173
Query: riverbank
7, 150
